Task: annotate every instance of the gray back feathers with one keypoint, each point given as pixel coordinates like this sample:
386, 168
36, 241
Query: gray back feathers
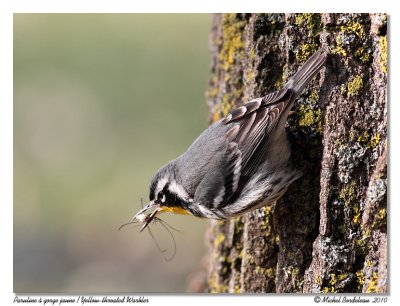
220, 162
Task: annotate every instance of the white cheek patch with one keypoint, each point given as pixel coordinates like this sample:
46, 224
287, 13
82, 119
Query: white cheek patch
177, 189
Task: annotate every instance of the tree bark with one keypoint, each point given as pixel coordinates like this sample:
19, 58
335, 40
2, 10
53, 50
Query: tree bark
328, 233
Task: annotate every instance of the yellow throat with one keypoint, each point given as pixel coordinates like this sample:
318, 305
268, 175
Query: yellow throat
175, 210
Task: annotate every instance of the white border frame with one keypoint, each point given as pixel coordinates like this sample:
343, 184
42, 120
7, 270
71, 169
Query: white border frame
8, 8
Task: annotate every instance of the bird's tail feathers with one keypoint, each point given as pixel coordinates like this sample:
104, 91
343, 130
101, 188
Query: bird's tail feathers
307, 72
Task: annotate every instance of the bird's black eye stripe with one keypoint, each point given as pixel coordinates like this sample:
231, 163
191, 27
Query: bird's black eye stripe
160, 196
165, 197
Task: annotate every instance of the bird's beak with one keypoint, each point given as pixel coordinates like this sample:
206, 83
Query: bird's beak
142, 217
158, 210
145, 217
149, 206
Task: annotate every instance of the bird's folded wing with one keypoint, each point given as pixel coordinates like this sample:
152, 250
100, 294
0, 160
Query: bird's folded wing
248, 139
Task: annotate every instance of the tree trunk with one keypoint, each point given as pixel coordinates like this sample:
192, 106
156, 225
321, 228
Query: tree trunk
328, 233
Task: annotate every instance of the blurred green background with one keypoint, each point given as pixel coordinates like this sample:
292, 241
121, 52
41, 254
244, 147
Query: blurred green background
101, 101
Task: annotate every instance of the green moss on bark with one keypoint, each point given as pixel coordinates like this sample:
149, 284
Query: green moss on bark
232, 46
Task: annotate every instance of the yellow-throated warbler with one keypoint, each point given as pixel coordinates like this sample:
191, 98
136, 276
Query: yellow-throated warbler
238, 164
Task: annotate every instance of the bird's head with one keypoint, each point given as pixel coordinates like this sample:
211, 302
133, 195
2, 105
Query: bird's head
166, 195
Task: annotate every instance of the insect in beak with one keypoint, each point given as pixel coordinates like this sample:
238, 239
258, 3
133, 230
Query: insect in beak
142, 217
148, 218
145, 219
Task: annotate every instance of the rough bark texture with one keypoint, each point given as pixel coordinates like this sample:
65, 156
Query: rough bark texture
328, 233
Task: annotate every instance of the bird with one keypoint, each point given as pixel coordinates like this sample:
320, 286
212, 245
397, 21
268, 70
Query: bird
238, 164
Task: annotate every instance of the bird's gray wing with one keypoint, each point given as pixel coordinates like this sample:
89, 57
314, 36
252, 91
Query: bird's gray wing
247, 139
255, 122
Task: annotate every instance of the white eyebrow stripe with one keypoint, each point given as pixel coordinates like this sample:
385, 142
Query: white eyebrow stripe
160, 185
